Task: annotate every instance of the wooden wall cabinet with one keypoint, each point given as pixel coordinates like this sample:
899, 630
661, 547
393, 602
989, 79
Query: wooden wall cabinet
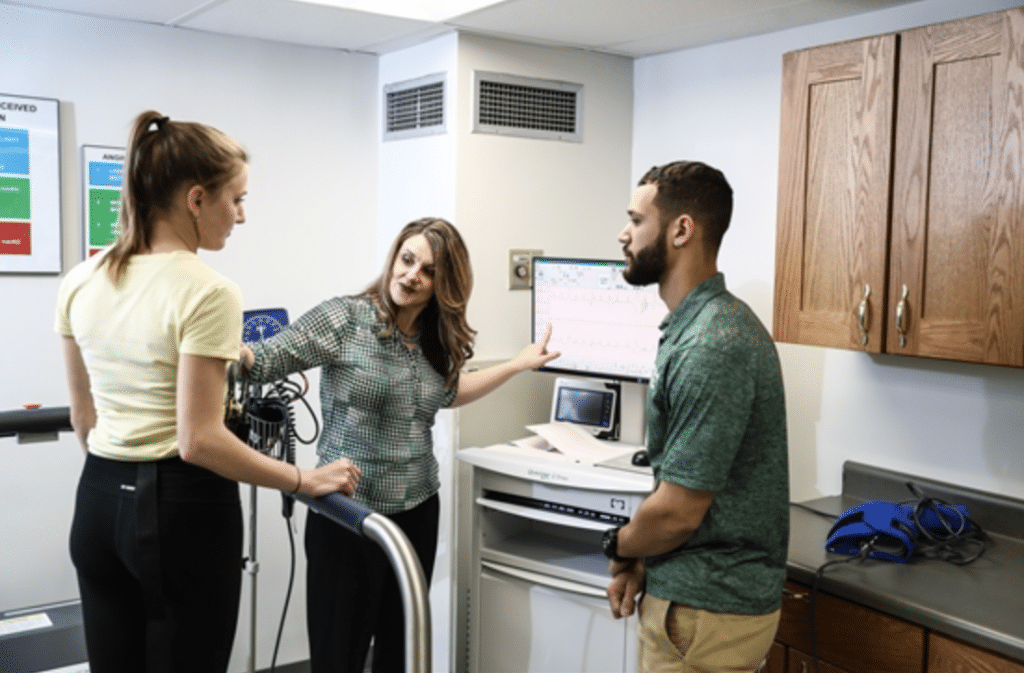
834, 176
901, 193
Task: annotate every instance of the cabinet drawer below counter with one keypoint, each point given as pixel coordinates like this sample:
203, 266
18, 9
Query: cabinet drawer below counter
851, 636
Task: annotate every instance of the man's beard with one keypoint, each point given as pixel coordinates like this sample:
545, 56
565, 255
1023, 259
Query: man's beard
648, 265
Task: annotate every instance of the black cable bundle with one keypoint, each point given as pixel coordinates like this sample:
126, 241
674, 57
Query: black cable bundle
281, 396
266, 422
946, 532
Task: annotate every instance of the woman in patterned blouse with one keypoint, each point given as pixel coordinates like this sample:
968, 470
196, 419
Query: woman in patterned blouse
390, 358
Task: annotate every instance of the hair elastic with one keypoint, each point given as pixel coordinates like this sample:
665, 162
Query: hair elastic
160, 122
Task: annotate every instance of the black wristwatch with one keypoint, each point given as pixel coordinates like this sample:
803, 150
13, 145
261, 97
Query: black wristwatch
610, 545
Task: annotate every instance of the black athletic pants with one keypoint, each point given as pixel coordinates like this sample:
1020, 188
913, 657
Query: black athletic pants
352, 594
158, 550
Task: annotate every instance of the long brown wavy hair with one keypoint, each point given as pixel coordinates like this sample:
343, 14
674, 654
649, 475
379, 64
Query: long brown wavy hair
445, 336
163, 157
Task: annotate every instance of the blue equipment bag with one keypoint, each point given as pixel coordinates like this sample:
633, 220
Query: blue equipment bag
889, 530
882, 529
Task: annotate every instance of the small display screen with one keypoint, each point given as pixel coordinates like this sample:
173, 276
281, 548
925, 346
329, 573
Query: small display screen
588, 407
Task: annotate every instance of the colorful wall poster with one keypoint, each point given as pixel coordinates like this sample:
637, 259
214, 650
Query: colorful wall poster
102, 173
30, 239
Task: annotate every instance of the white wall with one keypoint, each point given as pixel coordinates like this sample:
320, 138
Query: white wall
417, 175
559, 197
417, 179
954, 422
564, 198
308, 119
503, 192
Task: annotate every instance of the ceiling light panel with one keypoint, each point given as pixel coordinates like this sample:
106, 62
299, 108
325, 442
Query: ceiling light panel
421, 10
304, 23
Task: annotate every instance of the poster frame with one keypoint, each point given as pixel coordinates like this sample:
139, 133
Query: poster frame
100, 154
39, 118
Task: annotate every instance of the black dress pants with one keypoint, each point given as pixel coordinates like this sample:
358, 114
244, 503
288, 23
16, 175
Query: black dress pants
352, 594
158, 551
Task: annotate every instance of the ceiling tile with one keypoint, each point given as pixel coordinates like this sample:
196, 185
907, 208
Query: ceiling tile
765, 18
633, 27
596, 22
653, 26
150, 11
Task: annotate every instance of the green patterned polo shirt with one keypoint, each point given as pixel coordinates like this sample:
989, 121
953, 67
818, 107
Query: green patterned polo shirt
717, 421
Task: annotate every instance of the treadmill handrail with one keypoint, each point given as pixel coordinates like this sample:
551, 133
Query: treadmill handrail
363, 521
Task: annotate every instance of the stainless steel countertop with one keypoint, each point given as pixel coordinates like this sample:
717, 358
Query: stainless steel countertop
981, 603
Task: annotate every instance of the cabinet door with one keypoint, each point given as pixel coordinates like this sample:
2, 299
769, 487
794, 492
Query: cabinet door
776, 662
801, 662
834, 186
848, 635
957, 257
949, 656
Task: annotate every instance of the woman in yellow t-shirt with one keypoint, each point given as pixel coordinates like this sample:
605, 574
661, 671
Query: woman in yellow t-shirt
148, 330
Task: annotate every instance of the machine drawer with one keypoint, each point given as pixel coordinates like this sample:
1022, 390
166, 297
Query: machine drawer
530, 623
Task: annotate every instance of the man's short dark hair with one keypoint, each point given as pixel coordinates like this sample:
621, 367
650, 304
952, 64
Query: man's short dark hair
695, 189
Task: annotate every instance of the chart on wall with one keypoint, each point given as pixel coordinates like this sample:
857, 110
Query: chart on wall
30, 237
102, 172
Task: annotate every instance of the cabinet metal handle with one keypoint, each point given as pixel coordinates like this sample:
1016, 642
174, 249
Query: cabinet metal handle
864, 316
901, 317
794, 595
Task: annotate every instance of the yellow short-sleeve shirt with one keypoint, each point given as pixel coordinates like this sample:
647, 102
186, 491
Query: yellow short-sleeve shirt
131, 336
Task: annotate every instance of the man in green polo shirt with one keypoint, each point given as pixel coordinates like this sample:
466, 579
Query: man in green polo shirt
708, 546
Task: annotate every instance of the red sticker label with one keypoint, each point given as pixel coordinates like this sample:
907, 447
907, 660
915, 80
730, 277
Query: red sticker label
15, 238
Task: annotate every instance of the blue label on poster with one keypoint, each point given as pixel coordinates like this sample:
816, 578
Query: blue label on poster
105, 174
14, 151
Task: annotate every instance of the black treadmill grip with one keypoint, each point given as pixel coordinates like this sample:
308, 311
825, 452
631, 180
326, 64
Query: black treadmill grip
35, 421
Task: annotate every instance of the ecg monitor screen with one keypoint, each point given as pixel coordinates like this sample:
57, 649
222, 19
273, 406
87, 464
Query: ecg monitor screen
603, 326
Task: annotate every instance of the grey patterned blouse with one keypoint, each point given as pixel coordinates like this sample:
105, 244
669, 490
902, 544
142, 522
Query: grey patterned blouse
378, 398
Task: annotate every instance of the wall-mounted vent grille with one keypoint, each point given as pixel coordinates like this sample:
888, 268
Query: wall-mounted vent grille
414, 108
521, 106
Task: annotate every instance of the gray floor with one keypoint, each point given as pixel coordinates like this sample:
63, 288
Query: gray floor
303, 666
297, 667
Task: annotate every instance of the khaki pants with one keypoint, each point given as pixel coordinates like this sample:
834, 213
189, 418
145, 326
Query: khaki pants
678, 639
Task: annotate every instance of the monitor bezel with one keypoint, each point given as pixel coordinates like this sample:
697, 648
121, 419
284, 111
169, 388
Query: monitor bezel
606, 391
553, 367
